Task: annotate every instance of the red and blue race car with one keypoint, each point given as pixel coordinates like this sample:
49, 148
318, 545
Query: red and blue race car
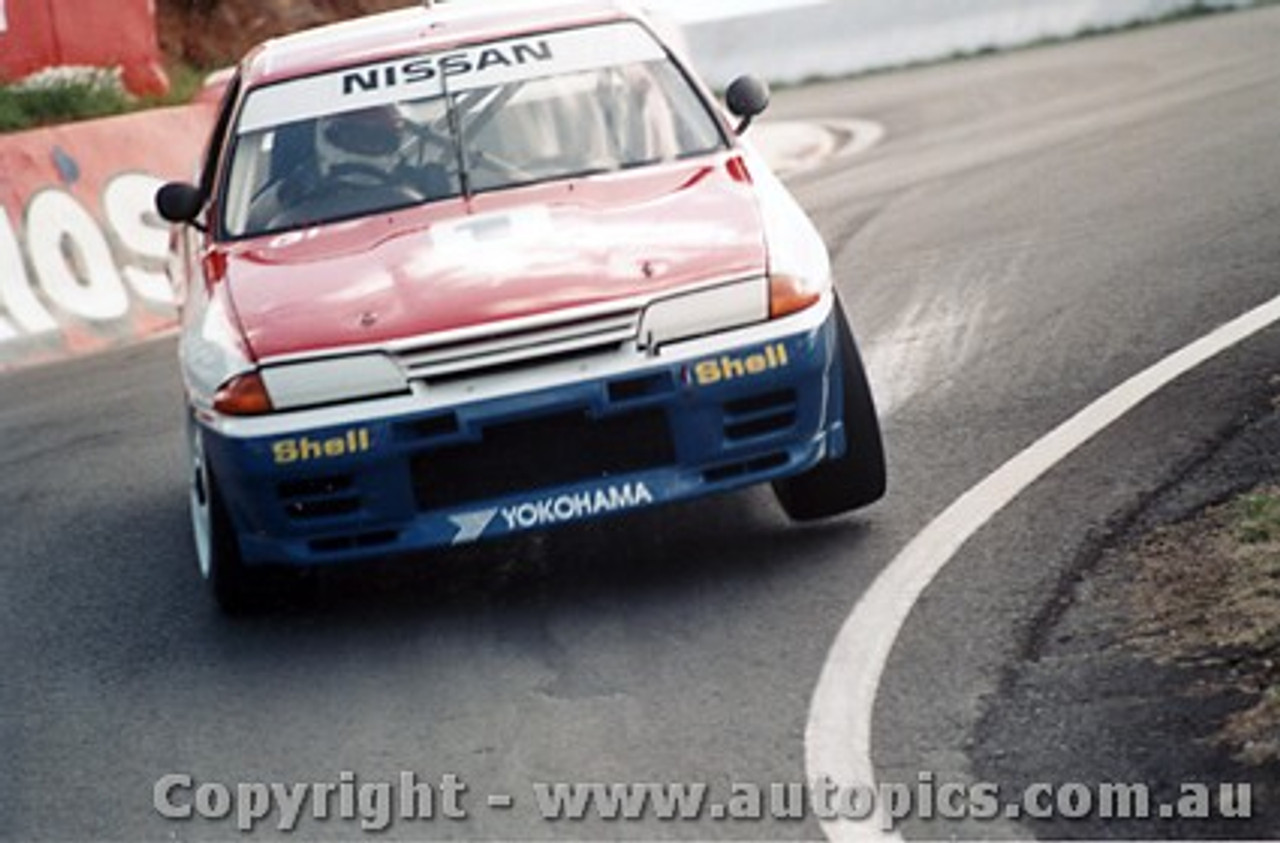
457, 272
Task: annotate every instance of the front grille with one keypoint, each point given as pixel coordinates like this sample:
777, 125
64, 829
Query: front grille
542, 453
760, 415
319, 497
641, 387
357, 541
759, 465
314, 486
504, 348
331, 508
432, 427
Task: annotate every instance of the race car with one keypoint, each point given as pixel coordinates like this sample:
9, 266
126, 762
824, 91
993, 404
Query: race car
456, 272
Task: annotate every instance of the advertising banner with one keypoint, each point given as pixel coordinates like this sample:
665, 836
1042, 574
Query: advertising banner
82, 250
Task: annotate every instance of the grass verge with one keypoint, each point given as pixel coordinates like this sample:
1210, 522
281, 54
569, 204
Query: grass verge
23, 107
65, 95
1207, 594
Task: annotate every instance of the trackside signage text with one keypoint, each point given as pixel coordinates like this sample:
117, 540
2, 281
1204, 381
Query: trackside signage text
83, 253
85, 267
464, 69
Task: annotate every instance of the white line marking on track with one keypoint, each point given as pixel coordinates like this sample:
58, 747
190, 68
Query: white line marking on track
865, 134
838, 734
796, 146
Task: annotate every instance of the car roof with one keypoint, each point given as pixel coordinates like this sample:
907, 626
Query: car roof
423, 28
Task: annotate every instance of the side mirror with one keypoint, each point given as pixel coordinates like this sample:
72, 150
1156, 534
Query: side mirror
179, 202
747, 97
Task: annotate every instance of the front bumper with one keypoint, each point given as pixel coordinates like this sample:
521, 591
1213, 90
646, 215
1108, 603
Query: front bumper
384, 477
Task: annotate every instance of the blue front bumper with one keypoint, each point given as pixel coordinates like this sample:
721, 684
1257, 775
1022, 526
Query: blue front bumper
534, 460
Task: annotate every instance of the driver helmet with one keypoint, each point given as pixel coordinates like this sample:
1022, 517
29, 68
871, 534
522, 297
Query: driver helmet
360, 145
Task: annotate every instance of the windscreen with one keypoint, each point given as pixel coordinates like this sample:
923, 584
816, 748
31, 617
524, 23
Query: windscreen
380, 137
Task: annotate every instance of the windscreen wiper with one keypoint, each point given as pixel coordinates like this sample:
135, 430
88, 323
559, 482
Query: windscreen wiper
455, 129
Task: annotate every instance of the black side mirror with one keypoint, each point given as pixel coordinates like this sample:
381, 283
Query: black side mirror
747, 97
179, 202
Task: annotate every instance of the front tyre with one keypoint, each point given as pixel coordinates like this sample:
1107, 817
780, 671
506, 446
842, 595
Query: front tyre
857, 478
238, 588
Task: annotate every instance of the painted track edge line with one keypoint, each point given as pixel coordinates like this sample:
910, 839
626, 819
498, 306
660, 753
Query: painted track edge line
838, 732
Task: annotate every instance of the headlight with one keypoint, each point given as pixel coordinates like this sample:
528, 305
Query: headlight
318, 382
697, 314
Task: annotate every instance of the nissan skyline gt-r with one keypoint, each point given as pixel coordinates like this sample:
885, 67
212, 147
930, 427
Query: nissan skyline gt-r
458, 272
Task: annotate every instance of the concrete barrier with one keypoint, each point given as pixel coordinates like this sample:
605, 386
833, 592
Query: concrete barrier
82, 252
793, 40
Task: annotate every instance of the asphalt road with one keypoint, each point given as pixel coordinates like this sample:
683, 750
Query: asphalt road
1034, 229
